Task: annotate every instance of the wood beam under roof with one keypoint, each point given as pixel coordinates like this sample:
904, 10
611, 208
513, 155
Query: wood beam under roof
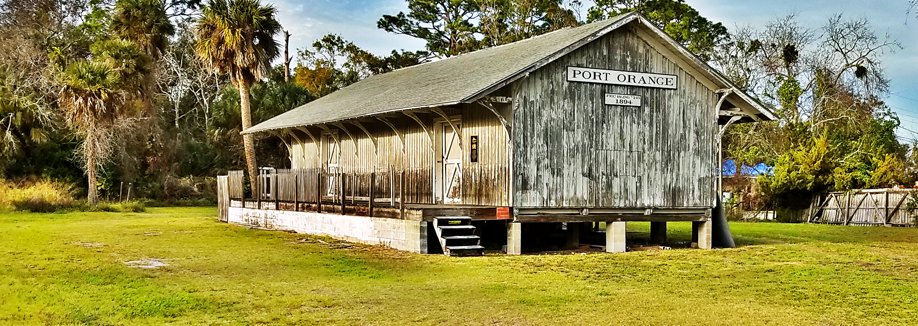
443, 115
367, 132
314, 141
300, 141
354, 140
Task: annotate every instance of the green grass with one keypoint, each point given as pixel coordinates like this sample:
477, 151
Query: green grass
69, 269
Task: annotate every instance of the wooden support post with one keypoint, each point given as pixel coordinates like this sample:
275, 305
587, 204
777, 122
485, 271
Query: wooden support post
354, 190
372, 193
343, 181
319, 192
401, 195
257, 191
274, 192
391, 187
296, 192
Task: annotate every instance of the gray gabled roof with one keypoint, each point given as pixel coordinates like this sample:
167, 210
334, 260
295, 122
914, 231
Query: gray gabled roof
459, 79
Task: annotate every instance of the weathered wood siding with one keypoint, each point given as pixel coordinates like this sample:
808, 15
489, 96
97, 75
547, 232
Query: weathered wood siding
571, 150
486, 182
483, 183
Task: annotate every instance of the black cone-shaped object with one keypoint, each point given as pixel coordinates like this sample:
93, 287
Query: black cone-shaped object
720, 230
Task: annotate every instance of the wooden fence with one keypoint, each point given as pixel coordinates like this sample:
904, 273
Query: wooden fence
223, 197
864, 207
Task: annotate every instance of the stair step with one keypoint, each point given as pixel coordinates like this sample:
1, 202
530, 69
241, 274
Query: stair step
456, 227
470, 247
461, 237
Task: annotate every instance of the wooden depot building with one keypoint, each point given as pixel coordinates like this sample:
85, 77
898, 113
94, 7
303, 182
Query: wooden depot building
520, 146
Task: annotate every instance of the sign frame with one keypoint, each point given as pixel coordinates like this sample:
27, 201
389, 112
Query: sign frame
623, 99
621, 78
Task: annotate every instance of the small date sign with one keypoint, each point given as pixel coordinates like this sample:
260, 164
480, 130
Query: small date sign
622, 99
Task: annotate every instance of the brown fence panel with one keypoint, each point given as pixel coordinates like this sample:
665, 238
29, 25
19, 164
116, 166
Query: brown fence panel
223, 198
864, 207
235, 184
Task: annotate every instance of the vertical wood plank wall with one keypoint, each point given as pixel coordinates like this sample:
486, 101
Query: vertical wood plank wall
483, 183
486, 182
571, 150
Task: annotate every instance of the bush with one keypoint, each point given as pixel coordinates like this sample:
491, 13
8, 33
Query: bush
36, 195
134, 206
46, 196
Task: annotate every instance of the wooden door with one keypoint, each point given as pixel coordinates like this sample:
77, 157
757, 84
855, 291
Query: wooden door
451, 165
332, 159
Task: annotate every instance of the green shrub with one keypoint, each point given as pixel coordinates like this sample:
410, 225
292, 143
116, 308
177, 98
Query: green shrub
134, 206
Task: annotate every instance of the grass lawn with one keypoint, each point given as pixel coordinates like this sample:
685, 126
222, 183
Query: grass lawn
69, 269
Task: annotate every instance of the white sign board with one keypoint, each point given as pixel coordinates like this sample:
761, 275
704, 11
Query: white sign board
622, 99
615, 77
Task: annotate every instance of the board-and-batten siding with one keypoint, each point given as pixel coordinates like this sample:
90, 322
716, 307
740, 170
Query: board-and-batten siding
571, 150
486, 182
483, 183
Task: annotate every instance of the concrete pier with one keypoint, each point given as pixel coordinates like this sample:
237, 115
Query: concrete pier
515, 238
615, 236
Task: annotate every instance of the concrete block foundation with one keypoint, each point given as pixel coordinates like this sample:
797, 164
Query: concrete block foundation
408, 235
703, 230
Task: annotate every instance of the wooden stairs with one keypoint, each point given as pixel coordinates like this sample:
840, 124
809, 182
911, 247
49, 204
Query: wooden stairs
457, 235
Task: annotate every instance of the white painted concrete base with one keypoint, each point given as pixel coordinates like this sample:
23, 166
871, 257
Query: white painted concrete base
398, 234
515, 238
615, 237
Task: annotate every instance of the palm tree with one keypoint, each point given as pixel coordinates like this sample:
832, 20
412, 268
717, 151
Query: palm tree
236, 37
145, 23
100, 96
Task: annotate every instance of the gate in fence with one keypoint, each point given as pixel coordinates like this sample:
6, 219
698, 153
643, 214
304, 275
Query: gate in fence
864, 207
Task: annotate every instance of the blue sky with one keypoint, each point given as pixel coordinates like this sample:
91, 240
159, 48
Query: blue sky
355, 20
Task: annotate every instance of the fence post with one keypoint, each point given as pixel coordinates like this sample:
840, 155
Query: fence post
401, 195
343, 181
354, 191
296, 192
372, 193
274, 180
885, 206
319, 192
257, 191
847, 206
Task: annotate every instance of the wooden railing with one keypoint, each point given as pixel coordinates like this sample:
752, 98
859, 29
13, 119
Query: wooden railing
864, 207
319, 190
